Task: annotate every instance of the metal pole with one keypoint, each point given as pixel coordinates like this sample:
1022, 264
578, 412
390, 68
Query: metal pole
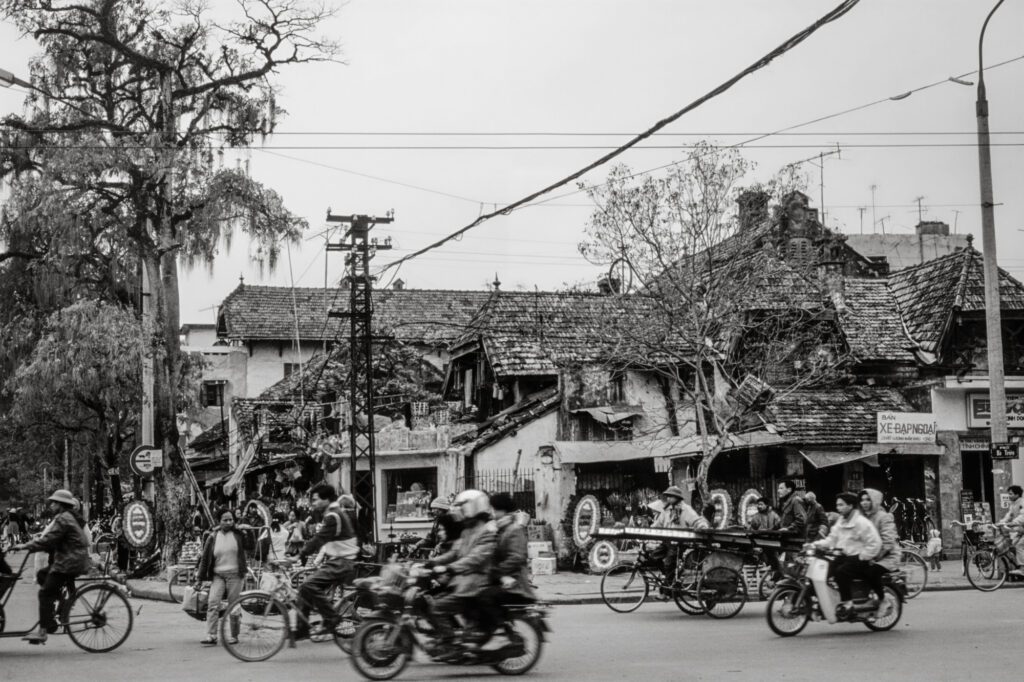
993, 318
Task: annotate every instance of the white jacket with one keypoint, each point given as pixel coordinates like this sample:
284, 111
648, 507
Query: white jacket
855, 536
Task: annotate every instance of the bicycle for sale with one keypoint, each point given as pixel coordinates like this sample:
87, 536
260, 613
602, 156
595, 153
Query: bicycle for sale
914, 568
993, 560
96, 615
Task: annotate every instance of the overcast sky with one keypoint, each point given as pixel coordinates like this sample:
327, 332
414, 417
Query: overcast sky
616, 67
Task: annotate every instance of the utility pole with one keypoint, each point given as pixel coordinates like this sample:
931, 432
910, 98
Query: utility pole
362, 441
874, 219
956, 219
993, 318
920, 214
861, 210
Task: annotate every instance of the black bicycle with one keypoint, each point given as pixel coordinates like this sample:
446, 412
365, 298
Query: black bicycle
95, 614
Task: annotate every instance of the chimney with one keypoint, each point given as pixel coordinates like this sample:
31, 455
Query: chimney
609, 285
935, 227
753, 208
398, 285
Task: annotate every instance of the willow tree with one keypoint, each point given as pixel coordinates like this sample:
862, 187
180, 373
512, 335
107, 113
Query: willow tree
731, 318
132, 104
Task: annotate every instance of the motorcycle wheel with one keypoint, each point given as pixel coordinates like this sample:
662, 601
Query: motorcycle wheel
895, 604
352, 609
525, 633
373, 658
785, 617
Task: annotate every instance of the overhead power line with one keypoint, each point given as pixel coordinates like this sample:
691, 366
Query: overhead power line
785, 47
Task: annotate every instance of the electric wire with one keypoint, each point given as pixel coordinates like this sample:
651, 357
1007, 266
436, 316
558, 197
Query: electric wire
788, 45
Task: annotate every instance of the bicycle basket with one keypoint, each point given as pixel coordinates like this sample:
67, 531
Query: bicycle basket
1001, 543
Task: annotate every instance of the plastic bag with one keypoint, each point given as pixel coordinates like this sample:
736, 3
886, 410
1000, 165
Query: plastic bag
195, 602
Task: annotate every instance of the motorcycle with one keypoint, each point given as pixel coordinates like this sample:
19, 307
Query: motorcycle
385, 641
807, 595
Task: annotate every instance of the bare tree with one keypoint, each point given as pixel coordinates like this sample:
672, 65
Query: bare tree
728, 320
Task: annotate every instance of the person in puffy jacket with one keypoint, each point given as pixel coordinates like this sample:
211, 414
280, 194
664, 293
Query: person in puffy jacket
871, 506
66, 541
859, 542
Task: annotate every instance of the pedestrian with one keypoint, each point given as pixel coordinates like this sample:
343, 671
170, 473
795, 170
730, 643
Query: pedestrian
278, 538
817, 519
765, 518
794, 517
223, 565
933, 550
296, 528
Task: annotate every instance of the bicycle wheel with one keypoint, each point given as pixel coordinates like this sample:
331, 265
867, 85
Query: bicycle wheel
722, 591
99, 618
785, 616
352, 609
255, 627
172, 582
915, 572
986, 571
624, 588
684, 591
766, 585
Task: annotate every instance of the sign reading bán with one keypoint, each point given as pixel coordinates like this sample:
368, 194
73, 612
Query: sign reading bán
906, 427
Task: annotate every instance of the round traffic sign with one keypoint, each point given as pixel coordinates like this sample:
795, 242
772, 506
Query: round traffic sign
144, 460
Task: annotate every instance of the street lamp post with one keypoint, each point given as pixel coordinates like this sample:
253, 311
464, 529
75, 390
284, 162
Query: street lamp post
993, 317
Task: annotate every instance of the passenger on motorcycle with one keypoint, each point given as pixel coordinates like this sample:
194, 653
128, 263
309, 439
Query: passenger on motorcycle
510, 566
469, 562
438, 508
676, 514
885, 524
859, 542
338, 539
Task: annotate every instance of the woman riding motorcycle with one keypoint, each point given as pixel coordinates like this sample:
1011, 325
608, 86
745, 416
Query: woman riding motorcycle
885, 524
859, 541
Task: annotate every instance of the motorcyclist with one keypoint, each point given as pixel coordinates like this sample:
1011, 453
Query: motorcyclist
510, 572
1016, 504
438, 508
859, 542
338, 539
676, 514
66, 541
885, 524
469, 562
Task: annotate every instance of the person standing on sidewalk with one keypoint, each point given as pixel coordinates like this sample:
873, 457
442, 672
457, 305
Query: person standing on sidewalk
223, 564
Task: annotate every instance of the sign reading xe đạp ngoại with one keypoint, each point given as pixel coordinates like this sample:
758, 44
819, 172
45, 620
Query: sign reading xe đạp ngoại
906, 427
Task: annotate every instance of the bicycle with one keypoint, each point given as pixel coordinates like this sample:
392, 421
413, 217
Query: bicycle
97, 617
914, 568
990, 564
260, 621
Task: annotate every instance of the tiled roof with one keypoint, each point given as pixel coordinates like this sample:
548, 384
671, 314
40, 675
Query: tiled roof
211, 437
269, 313
872, 324
530, 409
928, 294
905, 250
532, 334
843, 416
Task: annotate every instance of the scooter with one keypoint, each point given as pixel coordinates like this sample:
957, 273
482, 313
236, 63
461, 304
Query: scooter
807, 595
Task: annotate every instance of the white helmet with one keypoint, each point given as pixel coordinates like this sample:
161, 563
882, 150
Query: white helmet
472, 503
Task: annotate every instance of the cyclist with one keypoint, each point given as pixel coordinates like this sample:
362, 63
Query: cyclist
676, 514
338, 539
66, 541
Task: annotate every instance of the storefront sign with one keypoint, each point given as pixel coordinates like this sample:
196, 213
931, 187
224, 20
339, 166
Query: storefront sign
906, 427
145, 459
138, 524
979, 410
973, 445
1004, 500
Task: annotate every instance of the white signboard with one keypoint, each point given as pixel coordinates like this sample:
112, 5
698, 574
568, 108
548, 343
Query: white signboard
906, 427
979, 410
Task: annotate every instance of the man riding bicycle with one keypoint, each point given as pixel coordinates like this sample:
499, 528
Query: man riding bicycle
65, 539
340, 544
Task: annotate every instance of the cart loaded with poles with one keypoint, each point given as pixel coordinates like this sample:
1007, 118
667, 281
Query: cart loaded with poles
710, 572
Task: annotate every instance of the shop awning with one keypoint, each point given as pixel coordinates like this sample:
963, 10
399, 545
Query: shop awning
610, 415
239, 472
830, 458
904, 449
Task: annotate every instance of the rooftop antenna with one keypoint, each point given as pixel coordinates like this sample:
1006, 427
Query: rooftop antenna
874, 220
861, 209
956, 218
919, 212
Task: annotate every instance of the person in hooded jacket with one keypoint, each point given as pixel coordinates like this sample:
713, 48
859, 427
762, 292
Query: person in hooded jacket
69, 550
871, 506
817, 519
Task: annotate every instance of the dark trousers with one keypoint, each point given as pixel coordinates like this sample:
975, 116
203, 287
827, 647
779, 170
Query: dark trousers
445, 609
314, 591
49, 593
846, 569
491, 603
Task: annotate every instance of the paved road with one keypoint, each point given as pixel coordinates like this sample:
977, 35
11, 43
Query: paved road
943, 636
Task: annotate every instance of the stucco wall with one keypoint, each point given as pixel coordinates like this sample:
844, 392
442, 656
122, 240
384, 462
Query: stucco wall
504, 453
266, 364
